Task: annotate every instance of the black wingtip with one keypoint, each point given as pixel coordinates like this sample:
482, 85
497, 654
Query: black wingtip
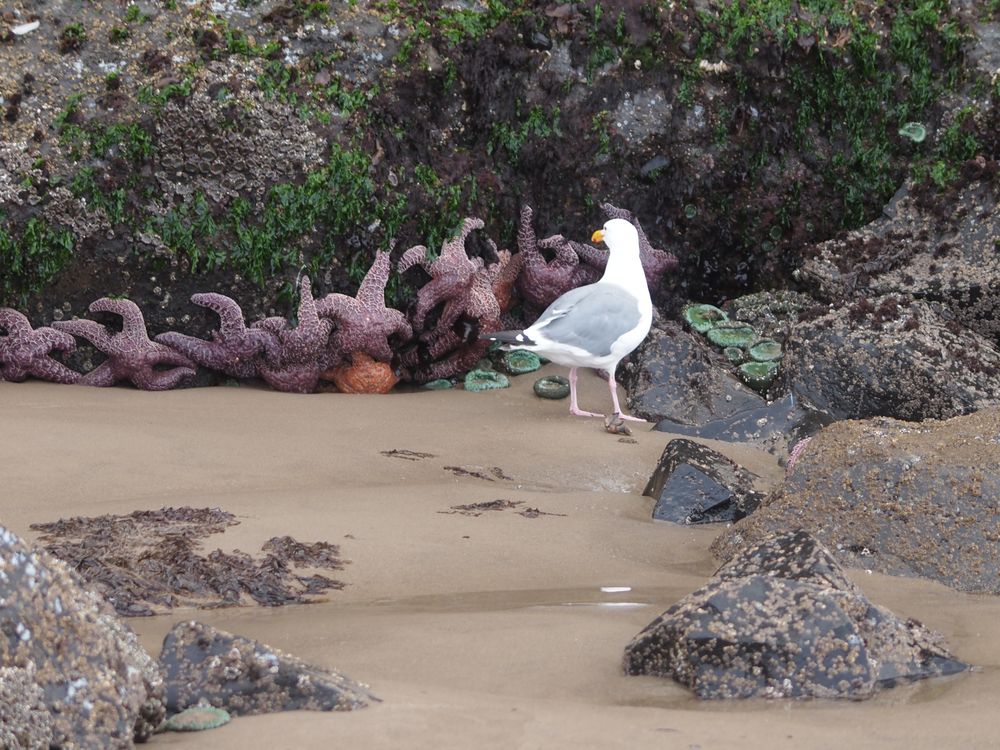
516, 338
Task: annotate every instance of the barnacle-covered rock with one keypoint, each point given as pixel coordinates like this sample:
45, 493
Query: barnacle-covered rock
245, 677
782, 620
100, 688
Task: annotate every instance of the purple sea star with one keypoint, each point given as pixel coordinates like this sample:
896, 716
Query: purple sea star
131, 355
296, 357
234, 349
451, 352
364, 323
451, 278
26, 351
542, 281
655, 262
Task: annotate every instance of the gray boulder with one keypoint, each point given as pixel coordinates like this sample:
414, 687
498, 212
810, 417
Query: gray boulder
100, 689
891, 356
936, 250
782, 620
895, 497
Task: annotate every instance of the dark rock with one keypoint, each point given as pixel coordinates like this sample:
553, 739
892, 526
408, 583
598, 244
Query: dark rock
771, 426
675, 376
891, 356
687, 387
99, 687
247, 677
783, 621
694, 484
895, 497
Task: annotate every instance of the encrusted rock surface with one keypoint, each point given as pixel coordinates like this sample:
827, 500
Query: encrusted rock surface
781, 620
942, 251
891, 356
100, 688
243, 676
25, 721
895, 497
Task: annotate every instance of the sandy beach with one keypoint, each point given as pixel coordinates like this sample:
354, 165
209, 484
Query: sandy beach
488, 631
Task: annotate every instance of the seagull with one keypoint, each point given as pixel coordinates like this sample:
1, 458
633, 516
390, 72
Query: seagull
595, 325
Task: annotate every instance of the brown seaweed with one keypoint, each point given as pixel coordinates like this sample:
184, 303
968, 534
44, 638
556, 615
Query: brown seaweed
148, 562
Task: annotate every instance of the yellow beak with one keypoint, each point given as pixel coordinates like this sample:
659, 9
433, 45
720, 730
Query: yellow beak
597, 236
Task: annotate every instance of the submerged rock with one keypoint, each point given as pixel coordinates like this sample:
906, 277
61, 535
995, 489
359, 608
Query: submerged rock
100, 689
245, 677
896, 497
782, 620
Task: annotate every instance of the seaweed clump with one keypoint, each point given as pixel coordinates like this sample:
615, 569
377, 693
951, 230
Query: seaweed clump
147, 562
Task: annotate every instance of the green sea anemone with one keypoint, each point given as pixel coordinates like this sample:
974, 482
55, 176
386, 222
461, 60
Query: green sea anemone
485, 380
766, 350
441, 384
196, 719
915, 131
732, 333
702, 318
758, 375
734, 354
552, 387
520, 361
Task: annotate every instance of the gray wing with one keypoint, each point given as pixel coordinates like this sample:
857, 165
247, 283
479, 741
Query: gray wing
590, 317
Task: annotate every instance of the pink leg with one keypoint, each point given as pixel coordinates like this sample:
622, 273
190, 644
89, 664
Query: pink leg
573, 408
613, 385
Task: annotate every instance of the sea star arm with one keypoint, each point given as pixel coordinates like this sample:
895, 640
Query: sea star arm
133, 326
371, 292
416, 255
230, 314
91, 330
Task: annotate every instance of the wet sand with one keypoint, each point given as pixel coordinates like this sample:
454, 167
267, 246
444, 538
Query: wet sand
487, 631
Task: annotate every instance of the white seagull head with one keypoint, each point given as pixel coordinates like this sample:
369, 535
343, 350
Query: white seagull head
619, 235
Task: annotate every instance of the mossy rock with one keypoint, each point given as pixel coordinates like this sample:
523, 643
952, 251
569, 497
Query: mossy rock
552, 387
732, 333
758, 375
703, 318
520, 361
485, 380
766, 350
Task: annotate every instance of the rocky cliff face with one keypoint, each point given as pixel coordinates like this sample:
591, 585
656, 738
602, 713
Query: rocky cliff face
156, 149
